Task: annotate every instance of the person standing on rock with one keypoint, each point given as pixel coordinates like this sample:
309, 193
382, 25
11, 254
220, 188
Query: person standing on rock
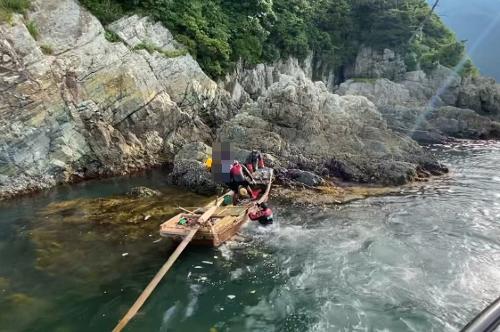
254, 161
237, 179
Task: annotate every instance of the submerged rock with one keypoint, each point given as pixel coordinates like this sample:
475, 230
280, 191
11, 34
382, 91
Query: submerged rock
68, 236
143, 192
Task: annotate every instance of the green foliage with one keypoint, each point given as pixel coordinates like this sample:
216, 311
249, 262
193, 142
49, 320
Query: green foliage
47, 49
33, 30
468, 69
8, 7
364, 80
106, 10
111, 36
218, 33
151, 48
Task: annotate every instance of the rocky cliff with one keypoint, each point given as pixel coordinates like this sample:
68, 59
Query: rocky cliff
74, 105
428, 107
80, 101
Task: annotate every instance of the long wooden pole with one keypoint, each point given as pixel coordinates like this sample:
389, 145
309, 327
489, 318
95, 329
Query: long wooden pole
164, 269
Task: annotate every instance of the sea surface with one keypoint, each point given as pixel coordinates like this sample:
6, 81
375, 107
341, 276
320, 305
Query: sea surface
425, 259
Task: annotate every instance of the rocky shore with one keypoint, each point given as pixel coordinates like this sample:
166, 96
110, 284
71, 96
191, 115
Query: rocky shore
81, 101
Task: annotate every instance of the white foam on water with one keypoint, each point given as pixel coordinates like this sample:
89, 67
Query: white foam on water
167, 317
236, 274
194, 294
226, 252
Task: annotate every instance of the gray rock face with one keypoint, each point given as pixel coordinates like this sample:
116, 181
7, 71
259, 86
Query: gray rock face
371, 63
305, 126
481, 95
195, 151
75, 105
246, 85
417, 105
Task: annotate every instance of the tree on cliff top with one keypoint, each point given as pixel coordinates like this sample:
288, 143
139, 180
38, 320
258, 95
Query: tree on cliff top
218, 33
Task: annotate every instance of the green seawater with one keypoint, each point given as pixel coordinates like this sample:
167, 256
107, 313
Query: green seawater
426, 259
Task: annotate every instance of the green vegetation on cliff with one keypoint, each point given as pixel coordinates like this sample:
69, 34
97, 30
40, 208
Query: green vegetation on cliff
8, 7
220, 32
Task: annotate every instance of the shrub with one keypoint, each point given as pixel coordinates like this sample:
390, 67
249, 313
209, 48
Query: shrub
151, 48
111, 36
106, 10
8, 7
220, 33
33, 30
47, 49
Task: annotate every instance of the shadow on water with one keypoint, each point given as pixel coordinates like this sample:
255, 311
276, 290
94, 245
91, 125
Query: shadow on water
424, 260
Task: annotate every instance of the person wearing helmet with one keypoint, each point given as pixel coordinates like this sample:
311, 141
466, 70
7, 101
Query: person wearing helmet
264, 214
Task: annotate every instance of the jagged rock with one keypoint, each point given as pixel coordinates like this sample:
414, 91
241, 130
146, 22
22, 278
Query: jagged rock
143, 192
304, 126
91, 107
481, 95
245, 84
463, 123
194, 176
417, 105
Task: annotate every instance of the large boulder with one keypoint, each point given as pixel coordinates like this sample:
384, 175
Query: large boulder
194, 176
308, 178
195, 151
306, 127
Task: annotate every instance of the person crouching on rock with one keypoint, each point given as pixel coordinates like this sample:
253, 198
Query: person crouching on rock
263, 214
237, 179
254, 161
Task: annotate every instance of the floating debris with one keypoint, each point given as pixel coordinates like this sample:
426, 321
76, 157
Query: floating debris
231, 297
146, 218
216, 257
198, 267
252, 292
208, 262
203, 278
125, 254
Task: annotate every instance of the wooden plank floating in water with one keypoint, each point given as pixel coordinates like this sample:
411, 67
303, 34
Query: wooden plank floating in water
164, 269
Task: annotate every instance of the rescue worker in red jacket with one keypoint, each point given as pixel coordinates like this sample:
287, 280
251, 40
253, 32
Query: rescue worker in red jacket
254, 161
237, 179
264, 215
